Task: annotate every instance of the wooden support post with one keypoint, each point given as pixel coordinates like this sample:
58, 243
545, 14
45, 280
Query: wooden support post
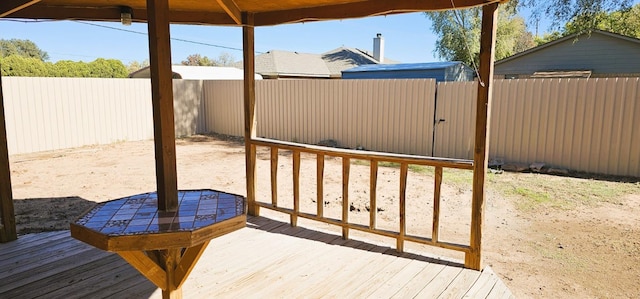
162, 100
248, 56
473, 259
171, 259
7, 213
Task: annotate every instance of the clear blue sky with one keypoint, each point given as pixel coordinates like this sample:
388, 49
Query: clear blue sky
408, 38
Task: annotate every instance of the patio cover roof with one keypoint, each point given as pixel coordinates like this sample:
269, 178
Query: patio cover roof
225, 12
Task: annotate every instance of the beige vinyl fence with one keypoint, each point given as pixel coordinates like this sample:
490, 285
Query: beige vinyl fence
54, 113
589, 125
385, 115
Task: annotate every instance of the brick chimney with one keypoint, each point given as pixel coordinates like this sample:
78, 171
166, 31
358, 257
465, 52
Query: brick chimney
378, 48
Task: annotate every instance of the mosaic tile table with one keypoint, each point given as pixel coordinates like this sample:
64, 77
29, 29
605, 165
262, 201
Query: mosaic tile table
163, 246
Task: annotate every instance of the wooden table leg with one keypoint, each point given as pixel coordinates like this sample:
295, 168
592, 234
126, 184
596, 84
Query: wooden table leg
168, 269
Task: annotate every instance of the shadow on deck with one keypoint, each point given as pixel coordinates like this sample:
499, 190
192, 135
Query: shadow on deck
268, 259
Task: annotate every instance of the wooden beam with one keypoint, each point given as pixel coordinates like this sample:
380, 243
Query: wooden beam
146, 266
8, 7
248, 56
473, 259
7, 213
359, 9
232, 10
113, 14
162, 100
187, 262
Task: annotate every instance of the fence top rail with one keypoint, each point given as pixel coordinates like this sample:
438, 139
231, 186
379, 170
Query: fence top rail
366, 155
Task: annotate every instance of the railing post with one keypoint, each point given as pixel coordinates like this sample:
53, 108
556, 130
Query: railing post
473, 259
296, 188
274, 176
320, 185
346, 165
373, 186
404, 171
436, 204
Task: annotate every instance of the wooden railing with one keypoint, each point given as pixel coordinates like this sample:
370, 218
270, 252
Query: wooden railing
374, 159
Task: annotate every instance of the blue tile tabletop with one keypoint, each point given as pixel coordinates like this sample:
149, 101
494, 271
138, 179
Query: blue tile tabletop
138, 214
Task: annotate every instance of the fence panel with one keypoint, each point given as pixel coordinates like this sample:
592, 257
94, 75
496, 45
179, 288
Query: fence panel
455, 118
383, 115
581, 124
54, 113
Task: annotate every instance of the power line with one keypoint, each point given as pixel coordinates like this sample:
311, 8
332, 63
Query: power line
134, 32
173, 38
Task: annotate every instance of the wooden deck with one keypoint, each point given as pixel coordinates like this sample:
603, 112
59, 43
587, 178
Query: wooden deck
268, 259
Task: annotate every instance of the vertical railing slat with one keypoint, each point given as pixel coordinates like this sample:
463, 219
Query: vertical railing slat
296, 188
346, 164
274, 176
436, 204
320, 185
373, 185
404, 170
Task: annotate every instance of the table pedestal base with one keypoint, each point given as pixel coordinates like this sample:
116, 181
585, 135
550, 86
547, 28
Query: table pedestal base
167, 268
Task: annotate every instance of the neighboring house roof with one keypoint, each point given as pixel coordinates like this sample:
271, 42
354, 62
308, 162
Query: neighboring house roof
441, 71
198, 73
403, 66
278, 63
343, 58
599, 51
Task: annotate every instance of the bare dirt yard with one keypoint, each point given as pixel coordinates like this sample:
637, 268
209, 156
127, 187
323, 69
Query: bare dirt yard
546, 236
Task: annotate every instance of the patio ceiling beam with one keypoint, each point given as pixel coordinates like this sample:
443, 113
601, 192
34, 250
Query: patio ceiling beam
113, 14
8, 7
359, 9
232, 10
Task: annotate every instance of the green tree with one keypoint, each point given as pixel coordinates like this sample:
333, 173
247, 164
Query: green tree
563, 11
20, 66
22, 47
224, 59
197, 60
68, 68
137, 65
459, 34
624, 22
547, 37
107, 68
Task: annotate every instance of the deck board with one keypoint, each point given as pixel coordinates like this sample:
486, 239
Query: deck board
268, 259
